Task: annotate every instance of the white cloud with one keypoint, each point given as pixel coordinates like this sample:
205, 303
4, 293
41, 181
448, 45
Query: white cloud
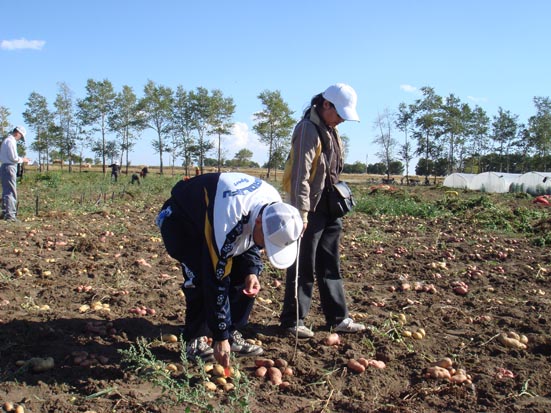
240, 134
477, 100
242, 137
408, 88
22, 44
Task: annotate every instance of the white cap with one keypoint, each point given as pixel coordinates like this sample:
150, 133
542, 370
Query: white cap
282, 226
22, 131
344, 98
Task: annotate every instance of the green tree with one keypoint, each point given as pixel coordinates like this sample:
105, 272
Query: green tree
222, 110
479, 144
503, 134
4, 121
454, 122
126, 120
201, 112
404, 123
65, 112
38, 117
427, 127
539, 127
383, 126
243, 157
95, 109
156, 107
274, 126
182, 127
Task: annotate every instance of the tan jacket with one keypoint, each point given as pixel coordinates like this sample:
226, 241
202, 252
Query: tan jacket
305, 170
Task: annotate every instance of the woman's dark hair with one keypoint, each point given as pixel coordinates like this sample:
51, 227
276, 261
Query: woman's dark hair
316, 102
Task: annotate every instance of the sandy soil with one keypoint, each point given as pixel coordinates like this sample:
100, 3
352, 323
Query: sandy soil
54, 265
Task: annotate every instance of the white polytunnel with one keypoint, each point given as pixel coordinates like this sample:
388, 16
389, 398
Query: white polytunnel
533, 183
458, 180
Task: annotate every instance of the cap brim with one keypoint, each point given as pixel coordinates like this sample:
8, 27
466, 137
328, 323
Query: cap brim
349, 114
281, 258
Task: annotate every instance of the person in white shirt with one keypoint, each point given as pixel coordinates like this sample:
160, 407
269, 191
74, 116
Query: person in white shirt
215, 225
8, 171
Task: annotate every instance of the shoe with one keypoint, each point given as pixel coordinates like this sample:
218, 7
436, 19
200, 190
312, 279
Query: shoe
300, 332
348, 326
243, 348
199, 348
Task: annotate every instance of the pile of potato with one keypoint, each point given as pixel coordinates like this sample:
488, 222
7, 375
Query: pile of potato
513, 340
10, 407
443, 370
219, 377
274, 370
361, 364
85, 359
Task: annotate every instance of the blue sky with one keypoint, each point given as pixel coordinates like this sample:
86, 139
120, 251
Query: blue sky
488, 53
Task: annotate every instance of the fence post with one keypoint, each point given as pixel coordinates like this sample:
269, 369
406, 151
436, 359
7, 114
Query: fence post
36, 206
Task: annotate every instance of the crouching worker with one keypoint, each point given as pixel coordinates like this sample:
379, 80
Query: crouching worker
215, 225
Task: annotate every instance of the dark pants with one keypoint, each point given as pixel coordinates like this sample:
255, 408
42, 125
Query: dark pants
183, 242
319, 255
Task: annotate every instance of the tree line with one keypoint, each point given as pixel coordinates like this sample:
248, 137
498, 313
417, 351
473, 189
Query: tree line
445, 134
450, 136
187, 125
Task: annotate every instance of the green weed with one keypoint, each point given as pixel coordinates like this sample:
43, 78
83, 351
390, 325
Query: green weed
187, 387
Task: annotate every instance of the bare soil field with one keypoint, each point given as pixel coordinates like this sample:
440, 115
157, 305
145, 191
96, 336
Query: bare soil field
429, 289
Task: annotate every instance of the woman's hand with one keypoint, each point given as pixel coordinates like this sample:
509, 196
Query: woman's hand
222, 350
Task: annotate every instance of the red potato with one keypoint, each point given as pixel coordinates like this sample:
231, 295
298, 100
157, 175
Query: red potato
435, 372
332, 339
461, 377
260, 371
274, 375
280, 363
460, 288
445, 363
364, 362
264, 362
378, 364
355, 366
288, 371
284, 385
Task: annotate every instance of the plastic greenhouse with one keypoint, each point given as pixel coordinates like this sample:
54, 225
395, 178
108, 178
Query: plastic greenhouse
493, 182
534, 183
458, 180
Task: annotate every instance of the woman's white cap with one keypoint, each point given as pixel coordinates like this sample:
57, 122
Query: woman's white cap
344, 98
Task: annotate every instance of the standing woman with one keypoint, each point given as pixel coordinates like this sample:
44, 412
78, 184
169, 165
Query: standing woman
314, 165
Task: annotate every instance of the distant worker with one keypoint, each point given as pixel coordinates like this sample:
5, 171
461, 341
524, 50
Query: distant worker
197, 171
8, 172
144, 172
115, 171
135, 179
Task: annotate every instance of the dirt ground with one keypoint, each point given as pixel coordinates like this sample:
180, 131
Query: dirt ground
55, 268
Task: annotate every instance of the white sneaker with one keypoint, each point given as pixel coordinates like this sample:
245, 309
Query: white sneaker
199, 348
301, 331
349, 326
242, 348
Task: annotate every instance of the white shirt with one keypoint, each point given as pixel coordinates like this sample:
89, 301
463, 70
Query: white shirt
8, 151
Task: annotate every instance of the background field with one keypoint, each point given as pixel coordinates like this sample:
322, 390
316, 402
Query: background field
84, 240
